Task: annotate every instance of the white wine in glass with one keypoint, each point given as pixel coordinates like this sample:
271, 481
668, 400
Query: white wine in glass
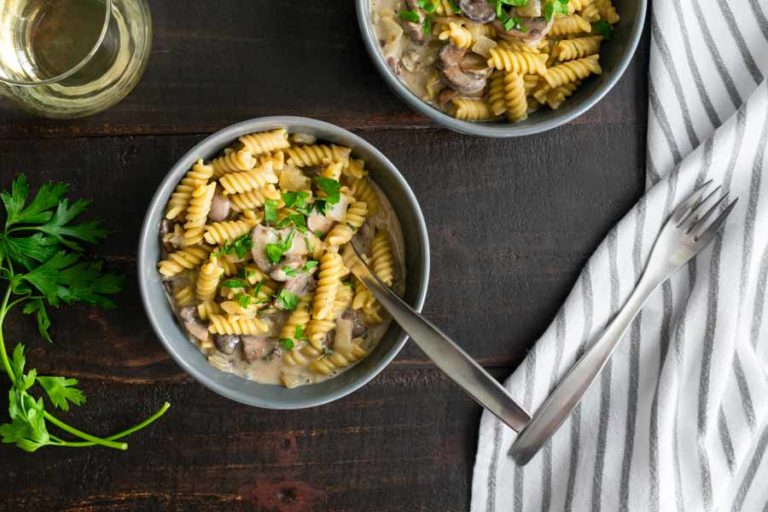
72, 58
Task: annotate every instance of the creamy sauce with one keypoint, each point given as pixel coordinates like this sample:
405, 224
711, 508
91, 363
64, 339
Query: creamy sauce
412, 63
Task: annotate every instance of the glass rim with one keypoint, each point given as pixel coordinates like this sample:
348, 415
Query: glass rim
77, 67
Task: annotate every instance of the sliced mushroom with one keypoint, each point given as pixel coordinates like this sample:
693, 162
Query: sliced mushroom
298, 285
193, 324
461, 72
358, 326
219, 208
227, 343
280, 274
535, 29
255, 348
261, 236
318, 222
415, 28
480, 11
338, 211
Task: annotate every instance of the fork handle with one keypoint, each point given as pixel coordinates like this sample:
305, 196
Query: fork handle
446, 354
568, 393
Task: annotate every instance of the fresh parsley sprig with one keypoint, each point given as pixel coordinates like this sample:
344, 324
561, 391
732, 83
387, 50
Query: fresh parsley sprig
43, 265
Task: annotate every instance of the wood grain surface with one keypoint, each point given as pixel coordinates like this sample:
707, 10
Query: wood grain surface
511, 223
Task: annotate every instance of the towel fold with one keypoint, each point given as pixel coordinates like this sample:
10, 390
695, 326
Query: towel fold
678, 420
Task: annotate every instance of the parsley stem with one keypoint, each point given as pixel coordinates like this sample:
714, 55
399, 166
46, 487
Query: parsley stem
141, 425
83, 435
3, 353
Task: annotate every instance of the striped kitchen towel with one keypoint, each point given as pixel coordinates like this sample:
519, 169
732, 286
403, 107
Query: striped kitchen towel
679, 418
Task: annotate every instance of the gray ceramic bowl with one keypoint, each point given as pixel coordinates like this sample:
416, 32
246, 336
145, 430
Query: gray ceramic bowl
614, 58
383, 172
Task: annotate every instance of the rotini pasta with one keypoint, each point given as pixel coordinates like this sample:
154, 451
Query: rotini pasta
184, 259
572, 70
233, 161
256, 256
460, 60
219, 233
246, 181
515, 97
569, 49
305, 156
196, 177
468, 109
458, 35
265, 142
570, 25
220, 324
208, 280
197, 213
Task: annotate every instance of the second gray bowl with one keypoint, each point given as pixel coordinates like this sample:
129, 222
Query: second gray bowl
614, 59
189, 357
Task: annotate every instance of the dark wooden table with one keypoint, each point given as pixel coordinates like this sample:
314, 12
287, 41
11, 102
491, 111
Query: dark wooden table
511, 223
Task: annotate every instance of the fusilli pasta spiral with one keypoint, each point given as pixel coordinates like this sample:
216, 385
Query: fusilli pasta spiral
265, 142
196, 177
184, 259
254, 179
220, 324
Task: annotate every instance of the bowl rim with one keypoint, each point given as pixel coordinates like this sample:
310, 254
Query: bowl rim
149, 233
486, 129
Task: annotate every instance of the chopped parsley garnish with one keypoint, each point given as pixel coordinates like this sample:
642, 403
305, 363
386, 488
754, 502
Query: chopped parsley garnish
234, 283
287, 300
243, 300
276, 251
331, 190
298, 333
514, 23
427, 5
297, 219
270, 211
555, 7
309, 266
411, 16
290, 272
603, 28
287, 343
306, 269
240, 246
295, 199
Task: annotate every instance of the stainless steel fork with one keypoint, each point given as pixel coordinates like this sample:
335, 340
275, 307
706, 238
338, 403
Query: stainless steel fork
687, 231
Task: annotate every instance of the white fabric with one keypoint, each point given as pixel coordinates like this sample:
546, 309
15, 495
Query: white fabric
679, 419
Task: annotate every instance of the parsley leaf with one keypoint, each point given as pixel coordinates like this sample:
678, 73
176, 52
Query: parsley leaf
603, 28
411, 16
62, 391
240, 247
65, 277
270, 211
331, 190
298, 332
58, 227
234, 283
555, 7
275, 251
287, 343
309, 266
514, 23
243, 300
37, 307
37, 212
287, 300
